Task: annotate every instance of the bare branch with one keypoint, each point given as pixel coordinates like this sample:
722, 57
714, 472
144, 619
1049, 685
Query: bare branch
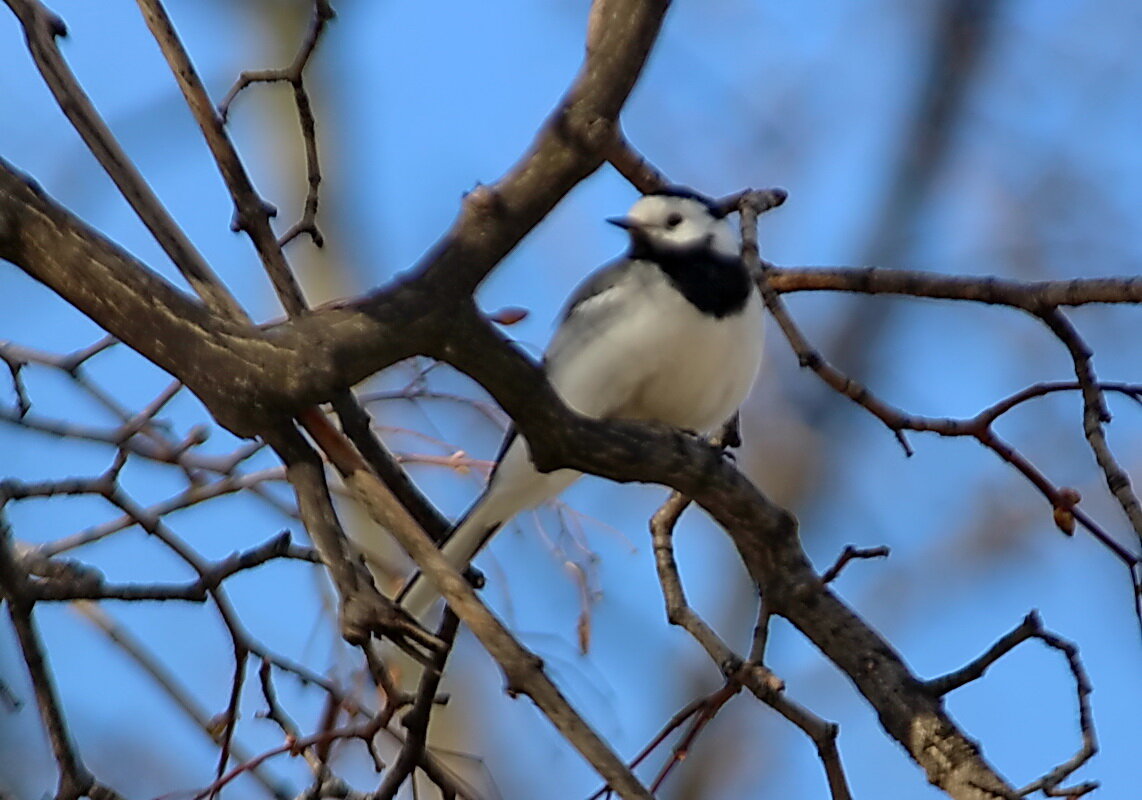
72, 581
523, 670
751, 674
416, 720
1032, 628
1095, 415
363, 609
1018, 295
41, 27
171, 685
184, 499
252, 213
75, 780
293, 74
641, 174
1030, 296
230, 716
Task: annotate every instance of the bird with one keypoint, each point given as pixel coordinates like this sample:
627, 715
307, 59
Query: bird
670, 332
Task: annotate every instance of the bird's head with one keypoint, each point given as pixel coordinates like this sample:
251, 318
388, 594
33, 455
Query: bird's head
677, 221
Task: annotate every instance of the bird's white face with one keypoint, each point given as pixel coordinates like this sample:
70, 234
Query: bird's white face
669, 223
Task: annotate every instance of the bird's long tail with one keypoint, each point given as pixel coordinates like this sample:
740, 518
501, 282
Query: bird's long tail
463, 543
514, 486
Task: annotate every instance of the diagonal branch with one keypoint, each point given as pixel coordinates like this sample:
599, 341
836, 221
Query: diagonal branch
1095, 416
171, 685
1032, 628
1024, 296
522, 669
252, 213
41, 27
751, 674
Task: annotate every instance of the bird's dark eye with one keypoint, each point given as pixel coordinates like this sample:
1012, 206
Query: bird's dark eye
674, 220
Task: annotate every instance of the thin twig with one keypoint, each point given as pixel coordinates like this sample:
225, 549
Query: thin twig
184, 499
294, 75
1095, 416
631, 165
896, 420
230, 717
252, 214
706, 711
173, 687
1032, 628
71, 581
847, 555
751, 674
364, 731
416, 720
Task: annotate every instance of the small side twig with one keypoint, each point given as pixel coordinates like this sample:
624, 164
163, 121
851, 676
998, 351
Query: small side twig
75, 781
230, 716
173, 687
23, 403
850, 553
631, 165
1095, 416
58, 580
705, 712
251, 213
1033, 299
294, 75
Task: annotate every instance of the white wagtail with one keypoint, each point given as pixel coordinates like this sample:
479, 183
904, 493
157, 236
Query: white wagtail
671, 332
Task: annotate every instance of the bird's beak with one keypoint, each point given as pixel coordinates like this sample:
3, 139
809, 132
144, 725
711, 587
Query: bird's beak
626, 223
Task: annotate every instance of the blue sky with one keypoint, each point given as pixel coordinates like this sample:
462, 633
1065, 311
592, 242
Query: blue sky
1041, 179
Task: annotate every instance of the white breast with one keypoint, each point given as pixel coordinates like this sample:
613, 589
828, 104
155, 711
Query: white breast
662, 359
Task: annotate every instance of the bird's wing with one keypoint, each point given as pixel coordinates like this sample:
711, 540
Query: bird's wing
593, 308
596, 283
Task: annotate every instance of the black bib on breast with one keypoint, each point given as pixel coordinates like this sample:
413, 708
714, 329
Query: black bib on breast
714, 284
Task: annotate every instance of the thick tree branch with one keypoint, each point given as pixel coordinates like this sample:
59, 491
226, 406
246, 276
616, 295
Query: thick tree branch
572, 144
246, 376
